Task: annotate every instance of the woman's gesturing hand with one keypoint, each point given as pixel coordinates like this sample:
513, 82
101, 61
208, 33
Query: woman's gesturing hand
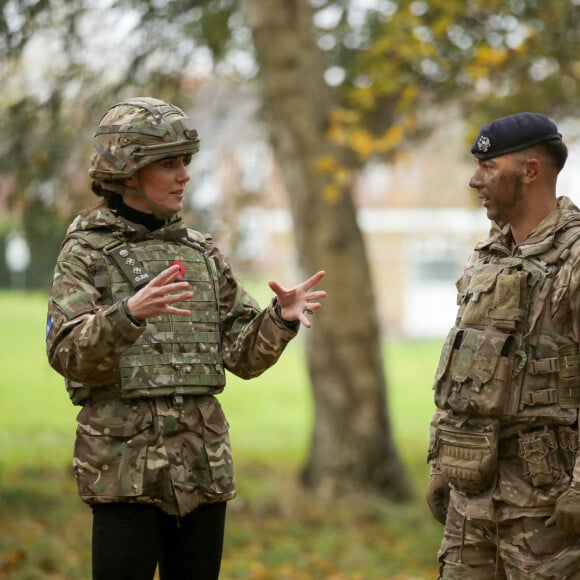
298, 303
160, 295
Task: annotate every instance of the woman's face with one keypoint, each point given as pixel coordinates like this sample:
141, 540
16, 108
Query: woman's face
162, 183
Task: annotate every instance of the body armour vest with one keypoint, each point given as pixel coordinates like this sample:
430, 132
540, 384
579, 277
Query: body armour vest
510, 353
175, 355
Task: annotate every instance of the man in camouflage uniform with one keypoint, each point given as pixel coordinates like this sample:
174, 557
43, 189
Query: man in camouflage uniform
144, 318
505, 480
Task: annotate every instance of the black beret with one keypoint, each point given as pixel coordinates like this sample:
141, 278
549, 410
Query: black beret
513, 133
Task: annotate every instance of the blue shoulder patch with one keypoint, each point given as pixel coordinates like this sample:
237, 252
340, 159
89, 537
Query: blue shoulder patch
48, 326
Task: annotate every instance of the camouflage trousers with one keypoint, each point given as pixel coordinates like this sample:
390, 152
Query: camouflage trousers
516, 549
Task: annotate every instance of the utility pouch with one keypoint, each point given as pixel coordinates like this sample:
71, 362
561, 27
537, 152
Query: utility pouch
507, 310
479, 294
467, 450
569, 376
539, 451
568, 446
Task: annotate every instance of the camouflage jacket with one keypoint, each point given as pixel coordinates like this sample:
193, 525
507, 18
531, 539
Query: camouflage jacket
168, 446
507, 387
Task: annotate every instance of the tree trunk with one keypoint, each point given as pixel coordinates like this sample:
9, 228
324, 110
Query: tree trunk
352, 445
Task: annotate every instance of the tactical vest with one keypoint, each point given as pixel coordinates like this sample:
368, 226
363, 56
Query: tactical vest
509, 353
175, 355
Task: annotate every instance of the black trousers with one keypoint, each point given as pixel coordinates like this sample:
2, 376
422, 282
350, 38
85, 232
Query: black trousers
130, 540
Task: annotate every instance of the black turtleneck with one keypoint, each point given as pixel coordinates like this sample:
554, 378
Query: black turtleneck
148, 220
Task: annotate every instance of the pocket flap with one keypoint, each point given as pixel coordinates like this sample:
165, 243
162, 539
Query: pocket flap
479, 354
472, 432
484, 281
213, 416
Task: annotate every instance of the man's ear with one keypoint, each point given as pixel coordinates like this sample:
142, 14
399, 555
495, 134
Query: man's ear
531, 169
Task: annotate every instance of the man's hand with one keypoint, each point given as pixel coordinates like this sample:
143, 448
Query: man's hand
567, 513
298, 302
159, 296
438, 497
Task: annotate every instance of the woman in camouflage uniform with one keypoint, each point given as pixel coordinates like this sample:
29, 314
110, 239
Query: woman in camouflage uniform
144, 317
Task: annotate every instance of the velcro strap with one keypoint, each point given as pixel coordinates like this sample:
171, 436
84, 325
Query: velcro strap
507, 314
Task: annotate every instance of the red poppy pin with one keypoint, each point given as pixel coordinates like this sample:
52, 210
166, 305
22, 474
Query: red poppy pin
181, 272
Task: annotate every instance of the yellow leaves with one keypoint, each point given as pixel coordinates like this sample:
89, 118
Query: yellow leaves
346, 130
330, 193
408, 97
365, 145
392, 137
362, 142
488, 56
338, 177
340, 122
338, 181
326, 164
485, 59
440, 28
364, 98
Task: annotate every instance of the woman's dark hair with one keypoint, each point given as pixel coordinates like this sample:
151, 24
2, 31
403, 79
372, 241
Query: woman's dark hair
100, 190
105, 197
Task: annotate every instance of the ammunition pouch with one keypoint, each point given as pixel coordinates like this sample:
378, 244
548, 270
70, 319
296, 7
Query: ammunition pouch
466, 452
539, 452
548, 454
475, 372
568, 446
479, 374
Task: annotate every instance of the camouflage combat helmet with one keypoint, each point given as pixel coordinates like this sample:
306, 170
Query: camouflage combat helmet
137, 132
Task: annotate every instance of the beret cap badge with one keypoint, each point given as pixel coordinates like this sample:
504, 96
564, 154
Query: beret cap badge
484, 144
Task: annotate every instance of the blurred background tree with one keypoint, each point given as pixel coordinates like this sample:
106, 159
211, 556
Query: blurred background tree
341, 83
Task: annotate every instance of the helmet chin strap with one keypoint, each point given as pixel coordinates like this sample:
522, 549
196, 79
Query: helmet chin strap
159, 211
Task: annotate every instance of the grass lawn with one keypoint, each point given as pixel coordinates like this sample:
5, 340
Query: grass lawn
275, 531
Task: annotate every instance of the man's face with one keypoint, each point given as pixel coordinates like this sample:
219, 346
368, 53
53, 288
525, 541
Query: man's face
499, 186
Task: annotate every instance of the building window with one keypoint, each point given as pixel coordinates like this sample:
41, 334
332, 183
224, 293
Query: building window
436, 261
